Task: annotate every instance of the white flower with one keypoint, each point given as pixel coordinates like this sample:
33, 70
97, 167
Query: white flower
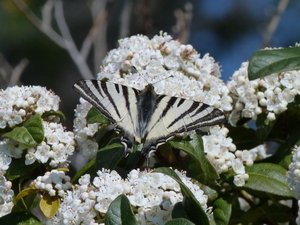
221, 153
269, 95
6, 196
84, 132
17, 103
153, 195
294, 173
55, 182
57, 146
174, 69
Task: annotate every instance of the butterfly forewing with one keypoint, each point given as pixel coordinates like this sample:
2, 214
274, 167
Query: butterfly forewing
117, 102
177, 115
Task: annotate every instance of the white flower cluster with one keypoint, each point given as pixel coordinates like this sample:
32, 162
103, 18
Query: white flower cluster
153, 195
294, 173
57, 146
222, 154
84, 132
19, 103
55, 182
6, 196
55, 149
269, 95
173, 68
220, 150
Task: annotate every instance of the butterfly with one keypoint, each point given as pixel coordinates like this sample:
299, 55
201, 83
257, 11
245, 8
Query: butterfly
144, 116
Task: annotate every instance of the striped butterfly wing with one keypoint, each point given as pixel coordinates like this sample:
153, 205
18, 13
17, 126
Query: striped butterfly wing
175, 115
116, 102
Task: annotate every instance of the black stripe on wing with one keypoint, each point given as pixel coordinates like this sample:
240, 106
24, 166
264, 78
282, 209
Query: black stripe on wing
103, 86
192, 108
89, 90
130, 104
213, 118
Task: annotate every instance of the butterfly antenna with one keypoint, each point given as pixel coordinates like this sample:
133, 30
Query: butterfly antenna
134, 70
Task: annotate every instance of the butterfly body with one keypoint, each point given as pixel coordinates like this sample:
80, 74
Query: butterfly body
144, 116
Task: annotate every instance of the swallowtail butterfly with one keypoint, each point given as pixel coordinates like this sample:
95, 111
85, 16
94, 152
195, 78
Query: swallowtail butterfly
144, 116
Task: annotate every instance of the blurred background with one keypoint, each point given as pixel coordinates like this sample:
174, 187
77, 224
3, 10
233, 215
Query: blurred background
54, 43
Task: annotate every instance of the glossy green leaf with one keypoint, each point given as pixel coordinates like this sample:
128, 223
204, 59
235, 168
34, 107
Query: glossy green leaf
269, 178
179, 221
109, 156
199, 166
49, 205
120, 213
94, 116
19, 219
192, 207
22, 136
266, 62
222, 211
35, 127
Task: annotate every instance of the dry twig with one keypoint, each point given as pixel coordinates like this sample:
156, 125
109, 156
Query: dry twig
64, 40
11, 75
273, 24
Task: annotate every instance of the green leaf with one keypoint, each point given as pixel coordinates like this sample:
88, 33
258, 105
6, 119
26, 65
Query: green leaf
25, 192
49, 205
199, 167
30, 134
243, 138
263, 127
269, 178
119, 212
267, 213
53, 113
94, 116
22, 136
18, 169
35, 127
222, 211
87, 168
179, 221
109, 156
179, 211
190, 203
23, 218
266, 62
